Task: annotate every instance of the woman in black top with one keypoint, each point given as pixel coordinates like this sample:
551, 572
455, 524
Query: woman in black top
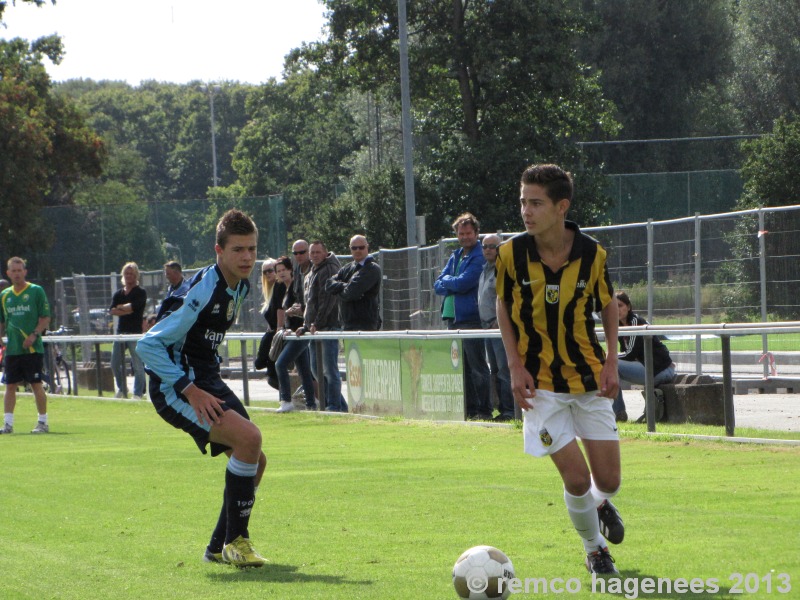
631, 355
295, 350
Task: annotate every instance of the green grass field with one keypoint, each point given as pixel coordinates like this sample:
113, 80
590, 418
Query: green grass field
114, 503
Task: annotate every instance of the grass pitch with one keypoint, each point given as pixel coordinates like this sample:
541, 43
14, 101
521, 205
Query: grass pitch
114, 503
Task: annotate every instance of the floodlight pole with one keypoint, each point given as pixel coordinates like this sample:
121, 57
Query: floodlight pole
405, 99
211, 90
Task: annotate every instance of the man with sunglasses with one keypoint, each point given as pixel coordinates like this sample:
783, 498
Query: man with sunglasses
302, 268
358, 287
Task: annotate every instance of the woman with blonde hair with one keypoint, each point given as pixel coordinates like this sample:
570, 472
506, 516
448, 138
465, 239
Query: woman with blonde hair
268, 280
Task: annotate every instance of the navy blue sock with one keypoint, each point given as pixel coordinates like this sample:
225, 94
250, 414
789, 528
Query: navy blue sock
240, 495
218, 536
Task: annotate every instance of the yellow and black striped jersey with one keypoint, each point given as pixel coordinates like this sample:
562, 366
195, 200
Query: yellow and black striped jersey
551, 313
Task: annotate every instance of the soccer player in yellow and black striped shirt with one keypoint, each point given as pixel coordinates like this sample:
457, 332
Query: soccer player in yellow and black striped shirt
550, 280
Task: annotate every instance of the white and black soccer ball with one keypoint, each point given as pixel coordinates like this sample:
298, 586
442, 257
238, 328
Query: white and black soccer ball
481, 573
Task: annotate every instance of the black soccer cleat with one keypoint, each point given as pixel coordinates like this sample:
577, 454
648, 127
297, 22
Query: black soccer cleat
611, 525
601, 562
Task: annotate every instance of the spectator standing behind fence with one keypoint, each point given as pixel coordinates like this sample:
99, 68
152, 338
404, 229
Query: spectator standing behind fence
322, 314
177, 285
549, 281
358, 287
188, 393
128, 304
631, 355
302, 268
273, 290
458, 283
294, 350
24, 317
487, 307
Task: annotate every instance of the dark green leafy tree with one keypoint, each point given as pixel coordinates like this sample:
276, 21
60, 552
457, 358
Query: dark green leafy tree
495, 86
766, 84
296, 145
665, 65
771, 175
45, 149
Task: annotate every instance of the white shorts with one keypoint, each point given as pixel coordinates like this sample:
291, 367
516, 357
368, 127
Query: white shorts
557, 419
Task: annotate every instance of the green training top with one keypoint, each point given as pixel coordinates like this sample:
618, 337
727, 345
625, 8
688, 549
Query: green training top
20, 313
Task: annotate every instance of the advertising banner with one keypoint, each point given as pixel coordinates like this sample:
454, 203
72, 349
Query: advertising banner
416, 379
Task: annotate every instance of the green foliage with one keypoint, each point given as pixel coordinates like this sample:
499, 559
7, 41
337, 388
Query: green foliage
766, 83
771, 170
665, 66
486, 103
296, 144
45, 146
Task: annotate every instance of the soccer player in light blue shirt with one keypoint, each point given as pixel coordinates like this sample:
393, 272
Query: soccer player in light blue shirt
180, 353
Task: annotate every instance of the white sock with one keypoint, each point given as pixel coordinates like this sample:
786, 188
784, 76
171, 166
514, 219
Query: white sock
600, 496
43, 418
583, 512
9, 419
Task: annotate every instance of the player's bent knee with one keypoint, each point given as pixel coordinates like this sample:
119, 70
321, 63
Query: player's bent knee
608, 483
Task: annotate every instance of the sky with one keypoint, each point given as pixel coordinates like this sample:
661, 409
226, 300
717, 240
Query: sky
169, 40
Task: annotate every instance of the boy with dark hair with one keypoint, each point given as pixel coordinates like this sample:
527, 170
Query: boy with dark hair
549, 281
187, 391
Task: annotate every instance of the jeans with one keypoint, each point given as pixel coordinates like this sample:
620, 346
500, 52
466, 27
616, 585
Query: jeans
633, 371
295, 351
476, 372
498, 364
334, 401
118, 367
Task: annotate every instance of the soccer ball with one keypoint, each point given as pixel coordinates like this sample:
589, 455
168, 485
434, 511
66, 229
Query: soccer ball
482, 572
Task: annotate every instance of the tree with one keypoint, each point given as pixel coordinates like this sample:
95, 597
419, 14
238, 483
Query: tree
767, 78
495, 86
665, 65
296, 145
771, 175
45, 145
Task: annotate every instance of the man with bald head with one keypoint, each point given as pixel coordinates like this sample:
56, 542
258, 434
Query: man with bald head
358, 287
302, 269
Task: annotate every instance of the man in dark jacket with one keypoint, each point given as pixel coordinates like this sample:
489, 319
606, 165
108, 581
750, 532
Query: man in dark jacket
358, 286
322, 314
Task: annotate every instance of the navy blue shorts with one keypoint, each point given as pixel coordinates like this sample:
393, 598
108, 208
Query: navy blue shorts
23, 367
176, 410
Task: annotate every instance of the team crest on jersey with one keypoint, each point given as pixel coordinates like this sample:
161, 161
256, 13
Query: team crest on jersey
581, 284
231, 311
551, 294
545, 437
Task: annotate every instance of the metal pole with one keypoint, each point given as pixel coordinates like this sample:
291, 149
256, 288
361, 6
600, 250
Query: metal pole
98, 370
245, 374
698, 312
74, 355
650, 282
762, 269
649, 387
323, 401
727, 386
405, 97
213, 136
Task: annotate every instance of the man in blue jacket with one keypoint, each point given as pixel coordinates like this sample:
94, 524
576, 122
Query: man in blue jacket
458, 283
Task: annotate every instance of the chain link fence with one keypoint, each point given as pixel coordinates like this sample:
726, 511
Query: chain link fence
731, 267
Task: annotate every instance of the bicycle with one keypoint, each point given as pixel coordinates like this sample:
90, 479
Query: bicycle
59, 378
